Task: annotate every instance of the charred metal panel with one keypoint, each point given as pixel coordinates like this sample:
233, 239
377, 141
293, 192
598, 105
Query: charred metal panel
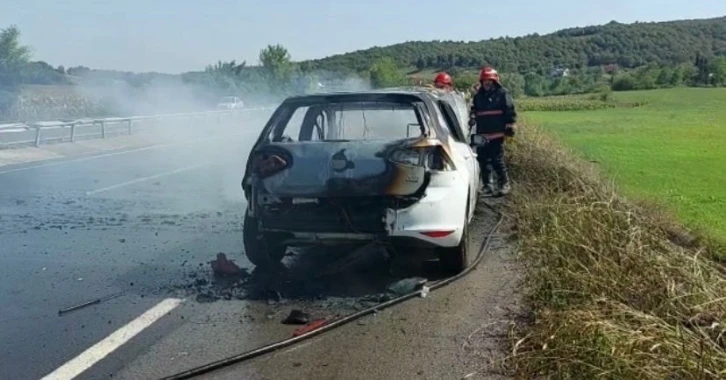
330, 215
344, 169
359, 168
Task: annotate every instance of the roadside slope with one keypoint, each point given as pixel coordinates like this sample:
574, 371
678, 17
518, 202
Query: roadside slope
618, 291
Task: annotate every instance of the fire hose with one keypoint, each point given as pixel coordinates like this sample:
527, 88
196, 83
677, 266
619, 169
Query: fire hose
338, 322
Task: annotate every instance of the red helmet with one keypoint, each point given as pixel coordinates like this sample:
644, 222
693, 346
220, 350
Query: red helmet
488, 73
443, 80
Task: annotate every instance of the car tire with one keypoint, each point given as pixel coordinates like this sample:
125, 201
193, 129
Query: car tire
455, 260
260, 249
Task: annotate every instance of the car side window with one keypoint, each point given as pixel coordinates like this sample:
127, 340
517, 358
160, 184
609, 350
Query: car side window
452, 122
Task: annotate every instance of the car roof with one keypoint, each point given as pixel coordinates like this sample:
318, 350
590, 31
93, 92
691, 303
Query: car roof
418, 92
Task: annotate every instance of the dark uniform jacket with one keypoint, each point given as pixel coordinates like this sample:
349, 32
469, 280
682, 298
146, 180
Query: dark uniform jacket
493, 110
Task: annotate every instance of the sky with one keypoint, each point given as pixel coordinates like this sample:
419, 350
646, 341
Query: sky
183, 35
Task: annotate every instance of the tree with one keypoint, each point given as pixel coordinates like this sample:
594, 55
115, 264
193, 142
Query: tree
277, 67
229, 69
534, 84
624, 82
13, 56
702, 69
718, 69
421, 63
514, 83
665, 77
385, 73
646, 77
464, 81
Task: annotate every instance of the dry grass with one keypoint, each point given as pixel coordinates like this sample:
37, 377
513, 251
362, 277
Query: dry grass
618, 290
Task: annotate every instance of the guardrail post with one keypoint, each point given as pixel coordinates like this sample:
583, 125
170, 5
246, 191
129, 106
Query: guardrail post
129, 126
103, 129
37, 136
73, 132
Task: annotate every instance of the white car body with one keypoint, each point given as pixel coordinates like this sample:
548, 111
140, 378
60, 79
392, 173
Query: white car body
326, 188
231, 103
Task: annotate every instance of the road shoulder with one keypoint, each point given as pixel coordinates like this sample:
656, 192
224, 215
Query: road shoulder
459, 331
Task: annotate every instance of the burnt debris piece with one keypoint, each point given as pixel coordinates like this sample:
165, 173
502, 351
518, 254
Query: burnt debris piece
206, 297
296, 317
89, 303
324, 281
225, 267
407, 285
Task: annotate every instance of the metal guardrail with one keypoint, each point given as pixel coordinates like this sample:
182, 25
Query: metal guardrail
43, 132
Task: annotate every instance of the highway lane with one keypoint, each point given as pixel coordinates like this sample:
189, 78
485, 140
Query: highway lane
81, 229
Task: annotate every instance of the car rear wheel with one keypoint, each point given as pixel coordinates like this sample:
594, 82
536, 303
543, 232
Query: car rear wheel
264, 251
454, 260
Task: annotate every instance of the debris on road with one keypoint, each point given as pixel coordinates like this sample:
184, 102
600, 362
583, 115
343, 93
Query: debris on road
296, 317
206, 298
351, 282
407, 285
425, 290
225, 267
89, 303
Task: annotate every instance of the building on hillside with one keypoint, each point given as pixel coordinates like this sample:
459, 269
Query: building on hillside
610, 69
559, 72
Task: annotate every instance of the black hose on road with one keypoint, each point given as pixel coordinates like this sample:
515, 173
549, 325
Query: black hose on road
200, 370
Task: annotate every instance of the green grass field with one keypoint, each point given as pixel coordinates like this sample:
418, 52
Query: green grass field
672, 150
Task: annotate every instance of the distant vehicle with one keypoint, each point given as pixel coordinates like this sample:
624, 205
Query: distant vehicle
390, 165
230, 103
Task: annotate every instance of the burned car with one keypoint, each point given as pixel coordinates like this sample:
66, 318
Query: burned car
388, 165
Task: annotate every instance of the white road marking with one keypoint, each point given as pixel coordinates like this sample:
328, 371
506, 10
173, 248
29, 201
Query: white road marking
103, 155
142, 179
100, 350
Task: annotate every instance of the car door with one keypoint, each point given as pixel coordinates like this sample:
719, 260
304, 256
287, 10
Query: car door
462, 148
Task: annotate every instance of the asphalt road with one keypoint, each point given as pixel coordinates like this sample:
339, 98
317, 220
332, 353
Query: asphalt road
146, 223
76, 230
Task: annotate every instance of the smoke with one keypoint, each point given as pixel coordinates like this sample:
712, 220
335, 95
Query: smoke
220, 143
325, 81
156, 96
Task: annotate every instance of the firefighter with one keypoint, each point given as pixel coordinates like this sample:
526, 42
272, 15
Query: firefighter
443, 81
494, 115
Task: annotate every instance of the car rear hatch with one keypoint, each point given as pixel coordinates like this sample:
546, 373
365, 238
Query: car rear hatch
339, 186
338, 169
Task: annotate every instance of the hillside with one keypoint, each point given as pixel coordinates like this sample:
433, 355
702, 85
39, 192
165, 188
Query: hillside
628, 45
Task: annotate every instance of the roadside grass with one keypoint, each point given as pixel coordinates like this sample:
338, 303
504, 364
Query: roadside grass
669, 149
617, 290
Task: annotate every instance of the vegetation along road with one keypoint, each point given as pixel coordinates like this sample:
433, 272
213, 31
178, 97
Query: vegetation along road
670, 149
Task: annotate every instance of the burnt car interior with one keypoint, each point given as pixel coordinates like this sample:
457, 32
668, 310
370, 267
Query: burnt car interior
393, 118
452, 122
349, 121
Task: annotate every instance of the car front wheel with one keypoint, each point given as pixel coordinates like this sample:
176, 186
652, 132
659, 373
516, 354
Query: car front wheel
262, 250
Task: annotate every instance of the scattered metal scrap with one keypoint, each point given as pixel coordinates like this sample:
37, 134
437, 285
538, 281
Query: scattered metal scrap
320, 326
89, 303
